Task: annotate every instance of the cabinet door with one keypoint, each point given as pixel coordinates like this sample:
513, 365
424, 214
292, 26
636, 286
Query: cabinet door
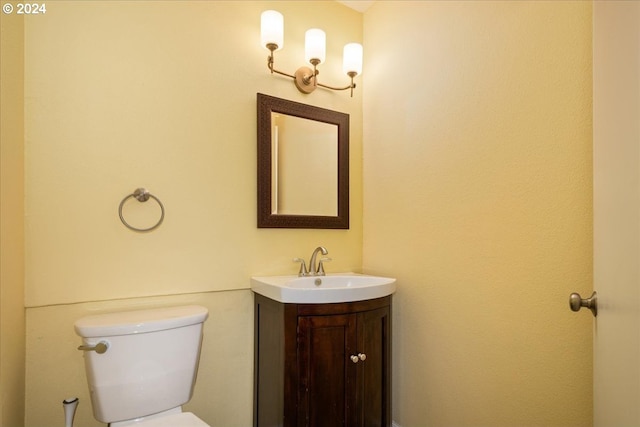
373, 396
327, 376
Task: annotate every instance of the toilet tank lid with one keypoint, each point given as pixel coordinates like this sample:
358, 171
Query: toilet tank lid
139, 321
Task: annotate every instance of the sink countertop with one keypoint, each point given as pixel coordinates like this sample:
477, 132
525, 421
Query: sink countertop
332, 288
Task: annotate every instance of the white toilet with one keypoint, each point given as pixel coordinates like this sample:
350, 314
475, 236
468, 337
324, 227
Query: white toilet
141, 365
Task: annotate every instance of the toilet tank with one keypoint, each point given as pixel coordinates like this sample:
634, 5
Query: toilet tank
150, 364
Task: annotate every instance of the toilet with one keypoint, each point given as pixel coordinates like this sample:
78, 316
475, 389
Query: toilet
141, 365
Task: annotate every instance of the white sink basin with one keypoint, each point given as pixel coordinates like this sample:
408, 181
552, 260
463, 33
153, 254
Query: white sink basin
341, 287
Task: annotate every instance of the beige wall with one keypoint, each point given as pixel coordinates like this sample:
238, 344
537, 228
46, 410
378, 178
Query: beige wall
162, 95
12, 324
477, 172
120, 95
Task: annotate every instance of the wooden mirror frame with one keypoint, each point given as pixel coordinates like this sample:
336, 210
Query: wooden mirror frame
266, 219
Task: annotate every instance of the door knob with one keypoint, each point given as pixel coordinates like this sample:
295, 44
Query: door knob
576, 302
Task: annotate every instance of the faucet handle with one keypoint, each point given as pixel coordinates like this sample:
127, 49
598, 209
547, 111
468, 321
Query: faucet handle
303, 267
320, 271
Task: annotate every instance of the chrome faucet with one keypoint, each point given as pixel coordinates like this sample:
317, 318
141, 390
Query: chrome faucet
313, 269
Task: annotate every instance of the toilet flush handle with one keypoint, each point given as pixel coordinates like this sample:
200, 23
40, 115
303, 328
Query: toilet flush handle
99, 348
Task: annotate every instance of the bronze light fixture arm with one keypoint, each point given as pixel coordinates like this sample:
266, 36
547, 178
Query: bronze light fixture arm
306, 79
352, 86
272, 47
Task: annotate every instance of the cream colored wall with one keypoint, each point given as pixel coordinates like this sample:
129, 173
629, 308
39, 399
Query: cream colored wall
162, 95
477, 172
12, 322
120, 95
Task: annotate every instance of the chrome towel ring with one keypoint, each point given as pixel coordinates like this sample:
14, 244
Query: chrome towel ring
141, 195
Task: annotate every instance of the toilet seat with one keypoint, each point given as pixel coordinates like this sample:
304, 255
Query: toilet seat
183, 419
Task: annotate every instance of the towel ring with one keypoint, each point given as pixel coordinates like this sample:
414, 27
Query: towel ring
141, 195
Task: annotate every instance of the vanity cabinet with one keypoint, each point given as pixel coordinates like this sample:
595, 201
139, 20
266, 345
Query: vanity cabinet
322, 364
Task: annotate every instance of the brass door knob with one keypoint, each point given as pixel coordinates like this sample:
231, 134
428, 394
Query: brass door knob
576, 302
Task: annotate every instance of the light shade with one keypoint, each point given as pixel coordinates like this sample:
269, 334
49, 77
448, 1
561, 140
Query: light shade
315, 46
272, 29
352, 60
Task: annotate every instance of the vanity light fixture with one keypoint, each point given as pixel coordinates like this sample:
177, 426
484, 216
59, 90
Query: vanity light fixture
306, 79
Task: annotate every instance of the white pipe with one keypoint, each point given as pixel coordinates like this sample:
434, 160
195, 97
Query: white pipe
70, 406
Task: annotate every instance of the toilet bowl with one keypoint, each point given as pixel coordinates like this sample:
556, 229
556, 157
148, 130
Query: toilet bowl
182, 419
141, 365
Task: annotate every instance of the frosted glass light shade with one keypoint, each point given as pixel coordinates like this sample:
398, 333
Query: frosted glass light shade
272, 28
315, 45
352, 59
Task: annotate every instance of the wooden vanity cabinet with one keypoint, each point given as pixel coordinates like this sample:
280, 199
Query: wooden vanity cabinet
322, 364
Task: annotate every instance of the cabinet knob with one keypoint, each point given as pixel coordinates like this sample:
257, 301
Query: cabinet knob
356, 359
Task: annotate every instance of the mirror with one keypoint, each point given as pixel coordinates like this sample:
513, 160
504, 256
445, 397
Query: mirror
303, 165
